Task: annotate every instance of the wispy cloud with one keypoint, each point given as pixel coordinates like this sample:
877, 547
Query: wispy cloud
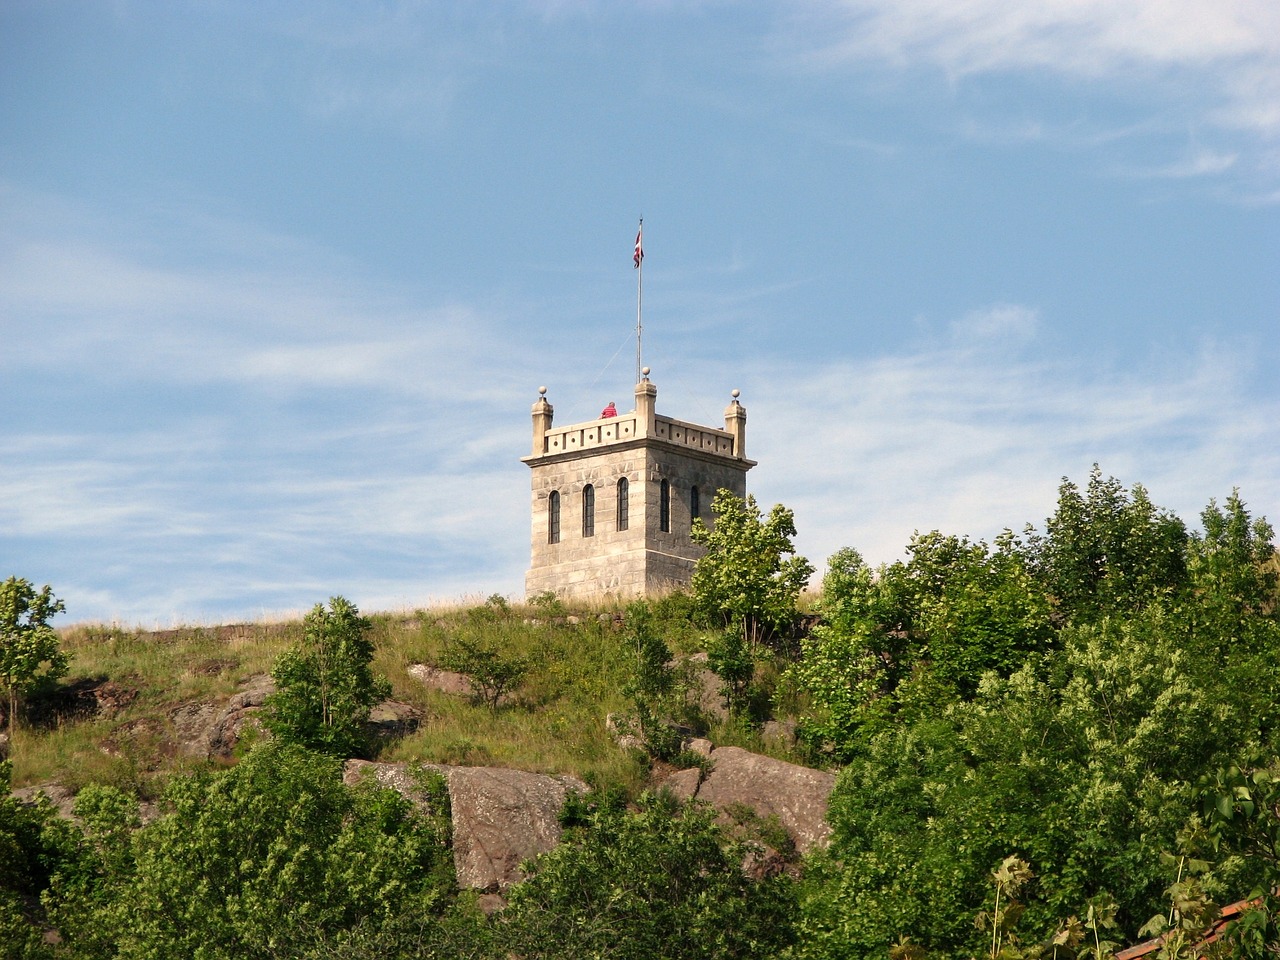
1010, 322
1089, 38
971, 439
1209, 66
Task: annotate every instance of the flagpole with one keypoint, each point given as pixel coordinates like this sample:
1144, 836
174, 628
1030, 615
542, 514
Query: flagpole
639, 259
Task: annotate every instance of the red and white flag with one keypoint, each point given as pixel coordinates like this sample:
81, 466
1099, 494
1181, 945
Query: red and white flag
639, 249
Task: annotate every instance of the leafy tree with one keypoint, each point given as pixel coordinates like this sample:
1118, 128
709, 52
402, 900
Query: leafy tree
493, 674
29, 840
967, 609
1106, 551
954, 604
29, 648
1241, 811
846, 660
324, 686
266, 860
731, 659
1232, 569
651, 684
750, 577
1084, 764
662, 881
1103, 699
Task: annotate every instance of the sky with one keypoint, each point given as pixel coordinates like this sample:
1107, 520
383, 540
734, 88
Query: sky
279, 281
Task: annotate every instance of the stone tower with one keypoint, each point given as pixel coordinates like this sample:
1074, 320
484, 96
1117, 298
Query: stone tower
614, 498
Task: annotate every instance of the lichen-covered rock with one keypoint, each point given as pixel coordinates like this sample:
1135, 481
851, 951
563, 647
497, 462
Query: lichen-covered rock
446, 681
61, 797
500, 817
209, 729
393, 718
796, 795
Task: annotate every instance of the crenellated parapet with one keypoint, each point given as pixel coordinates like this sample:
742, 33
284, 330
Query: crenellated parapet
641, 423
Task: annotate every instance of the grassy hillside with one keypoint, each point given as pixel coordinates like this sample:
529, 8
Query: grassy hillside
578, 664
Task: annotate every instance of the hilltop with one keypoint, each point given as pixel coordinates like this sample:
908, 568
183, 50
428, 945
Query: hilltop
123, 715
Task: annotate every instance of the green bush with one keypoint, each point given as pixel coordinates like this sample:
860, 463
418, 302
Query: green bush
662, 881
324, 685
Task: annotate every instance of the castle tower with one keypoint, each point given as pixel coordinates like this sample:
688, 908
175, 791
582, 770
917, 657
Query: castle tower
614, 498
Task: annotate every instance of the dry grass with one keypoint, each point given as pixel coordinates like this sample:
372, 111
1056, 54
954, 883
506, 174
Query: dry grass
578, 664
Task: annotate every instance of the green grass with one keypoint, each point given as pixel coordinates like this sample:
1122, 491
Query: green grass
578, 664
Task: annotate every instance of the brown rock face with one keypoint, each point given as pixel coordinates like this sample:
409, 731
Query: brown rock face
796, 795
446, 681
209, 730
500, 817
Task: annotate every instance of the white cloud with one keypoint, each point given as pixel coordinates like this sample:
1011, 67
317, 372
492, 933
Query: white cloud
1204, 65
1010, 323
237, 308
1077, 37
970, 441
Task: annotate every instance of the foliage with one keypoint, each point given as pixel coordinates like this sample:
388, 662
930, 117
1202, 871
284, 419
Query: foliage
1190, 914
34, 843
548, 603
493, 674
1241, 809
989, 701
730, 658
651, 683
324, 686
1107, 551
846, 660
750, 577
259, 861
954, 604
461, 932
661, 881
30, 652
1009, 878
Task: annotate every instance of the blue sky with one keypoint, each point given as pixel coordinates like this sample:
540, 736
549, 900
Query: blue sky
279, 281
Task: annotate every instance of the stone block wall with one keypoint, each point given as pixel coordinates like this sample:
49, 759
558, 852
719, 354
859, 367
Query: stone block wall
643, 558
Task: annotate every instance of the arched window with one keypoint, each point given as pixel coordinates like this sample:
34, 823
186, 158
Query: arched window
588, 511
695, 503
664, 507
624, 504
553, 517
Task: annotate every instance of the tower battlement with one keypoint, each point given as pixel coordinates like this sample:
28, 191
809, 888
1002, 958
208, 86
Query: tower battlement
614, 499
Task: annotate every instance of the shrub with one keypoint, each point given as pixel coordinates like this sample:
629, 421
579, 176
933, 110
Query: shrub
324, 687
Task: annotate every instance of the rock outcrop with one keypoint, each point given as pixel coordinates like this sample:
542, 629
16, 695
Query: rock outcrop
500, 817
796, 795
210, 729
446, 681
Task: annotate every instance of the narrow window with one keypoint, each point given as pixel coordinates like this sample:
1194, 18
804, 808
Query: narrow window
664, 507
624, 504
553, 517
695, 504
588, 511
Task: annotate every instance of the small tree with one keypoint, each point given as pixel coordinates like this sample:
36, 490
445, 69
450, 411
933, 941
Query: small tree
324, 687
493, 674
750, 576
652, 680
661, 881
29, 648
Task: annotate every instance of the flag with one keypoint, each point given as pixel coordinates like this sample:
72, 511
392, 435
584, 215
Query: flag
639, 249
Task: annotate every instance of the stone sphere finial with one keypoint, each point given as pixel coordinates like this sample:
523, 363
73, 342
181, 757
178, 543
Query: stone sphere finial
735, 393
542, 391
644, 371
